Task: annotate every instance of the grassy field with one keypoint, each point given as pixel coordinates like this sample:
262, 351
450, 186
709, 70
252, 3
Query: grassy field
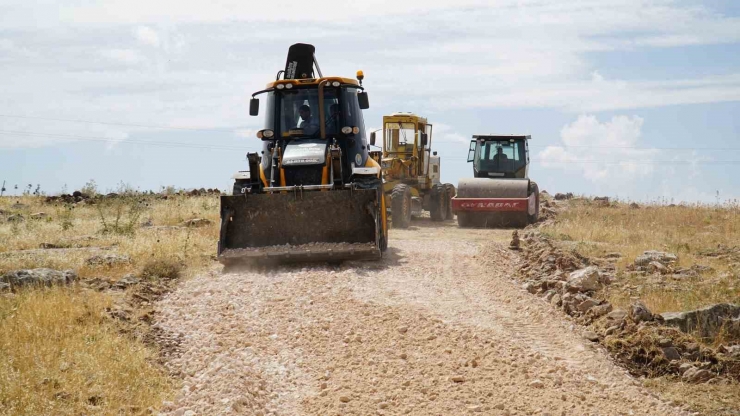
699, 234
61, 353
703, 235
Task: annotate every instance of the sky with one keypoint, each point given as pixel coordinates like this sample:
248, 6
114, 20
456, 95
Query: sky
632, 99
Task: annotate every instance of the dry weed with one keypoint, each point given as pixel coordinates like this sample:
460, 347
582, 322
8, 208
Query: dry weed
690, 231
61, 356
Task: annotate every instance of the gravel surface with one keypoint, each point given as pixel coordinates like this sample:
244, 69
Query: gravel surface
288, 248
436, 327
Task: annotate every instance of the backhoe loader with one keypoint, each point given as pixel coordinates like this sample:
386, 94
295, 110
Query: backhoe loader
313, 193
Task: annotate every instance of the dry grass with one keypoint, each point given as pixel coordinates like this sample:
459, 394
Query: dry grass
706, 399
61, 356
195, 247
686, 230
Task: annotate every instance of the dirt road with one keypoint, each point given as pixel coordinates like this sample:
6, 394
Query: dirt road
437, 328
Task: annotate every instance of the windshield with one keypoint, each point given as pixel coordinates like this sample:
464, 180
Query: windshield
299, 109
399, 137
500, 156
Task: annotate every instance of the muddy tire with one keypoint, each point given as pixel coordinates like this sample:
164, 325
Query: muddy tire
533, 188
438, 208
401, 206
450, 189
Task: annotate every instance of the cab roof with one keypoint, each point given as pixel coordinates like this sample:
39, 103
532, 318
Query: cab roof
502, 137
312, 81
407, 117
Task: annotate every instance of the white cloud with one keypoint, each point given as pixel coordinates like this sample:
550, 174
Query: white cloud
447, 134
125, 56
193, 64
147, 36
604, 153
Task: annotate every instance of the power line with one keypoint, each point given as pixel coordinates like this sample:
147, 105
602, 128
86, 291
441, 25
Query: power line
132, 141
148, 126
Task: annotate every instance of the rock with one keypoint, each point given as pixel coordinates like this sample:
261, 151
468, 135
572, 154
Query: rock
538, 384
107, 260
39, 216
584, 280
659, 256
600, 310
634, 205
457, 379
657, 267
683, 367
50, 246
708, 322
671, 353
126, 281
591, 336
344, 399
665, 342
617, 315
614, 255
611, 330
196, 222
402, 329
640, 313
587, 304
695, 375
514, 244
556, 300
532, 287
38, 277
561, 197
15, 218
4, 286
601, 198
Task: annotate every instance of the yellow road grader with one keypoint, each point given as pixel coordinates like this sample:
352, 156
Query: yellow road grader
411, 171
312, 193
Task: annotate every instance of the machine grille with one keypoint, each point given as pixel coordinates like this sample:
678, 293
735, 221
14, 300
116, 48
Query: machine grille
303, 175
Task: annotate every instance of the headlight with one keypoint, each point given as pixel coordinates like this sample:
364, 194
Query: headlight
346, 130
336, 83
265, 134
288, 86
355, 130
280, 86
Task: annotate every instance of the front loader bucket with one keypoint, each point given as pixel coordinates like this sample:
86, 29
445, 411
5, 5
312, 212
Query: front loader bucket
331, 225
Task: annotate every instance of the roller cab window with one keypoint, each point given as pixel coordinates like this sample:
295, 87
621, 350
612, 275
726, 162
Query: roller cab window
500, 156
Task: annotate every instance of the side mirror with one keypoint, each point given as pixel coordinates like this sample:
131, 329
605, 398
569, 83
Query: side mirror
363, 101
372, 139
254, 106
471, 152
424, 140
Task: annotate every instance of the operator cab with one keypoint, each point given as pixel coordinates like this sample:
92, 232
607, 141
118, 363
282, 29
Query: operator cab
307, 113
499, 156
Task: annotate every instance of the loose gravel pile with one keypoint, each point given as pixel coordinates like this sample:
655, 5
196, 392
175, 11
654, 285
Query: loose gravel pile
436, 327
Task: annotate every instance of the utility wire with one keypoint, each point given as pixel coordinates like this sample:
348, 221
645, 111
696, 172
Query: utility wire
150, 126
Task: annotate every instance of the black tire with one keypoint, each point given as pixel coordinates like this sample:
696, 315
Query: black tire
438, 206
533, 188
450, 189
383, 235
463, 221
401, 206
